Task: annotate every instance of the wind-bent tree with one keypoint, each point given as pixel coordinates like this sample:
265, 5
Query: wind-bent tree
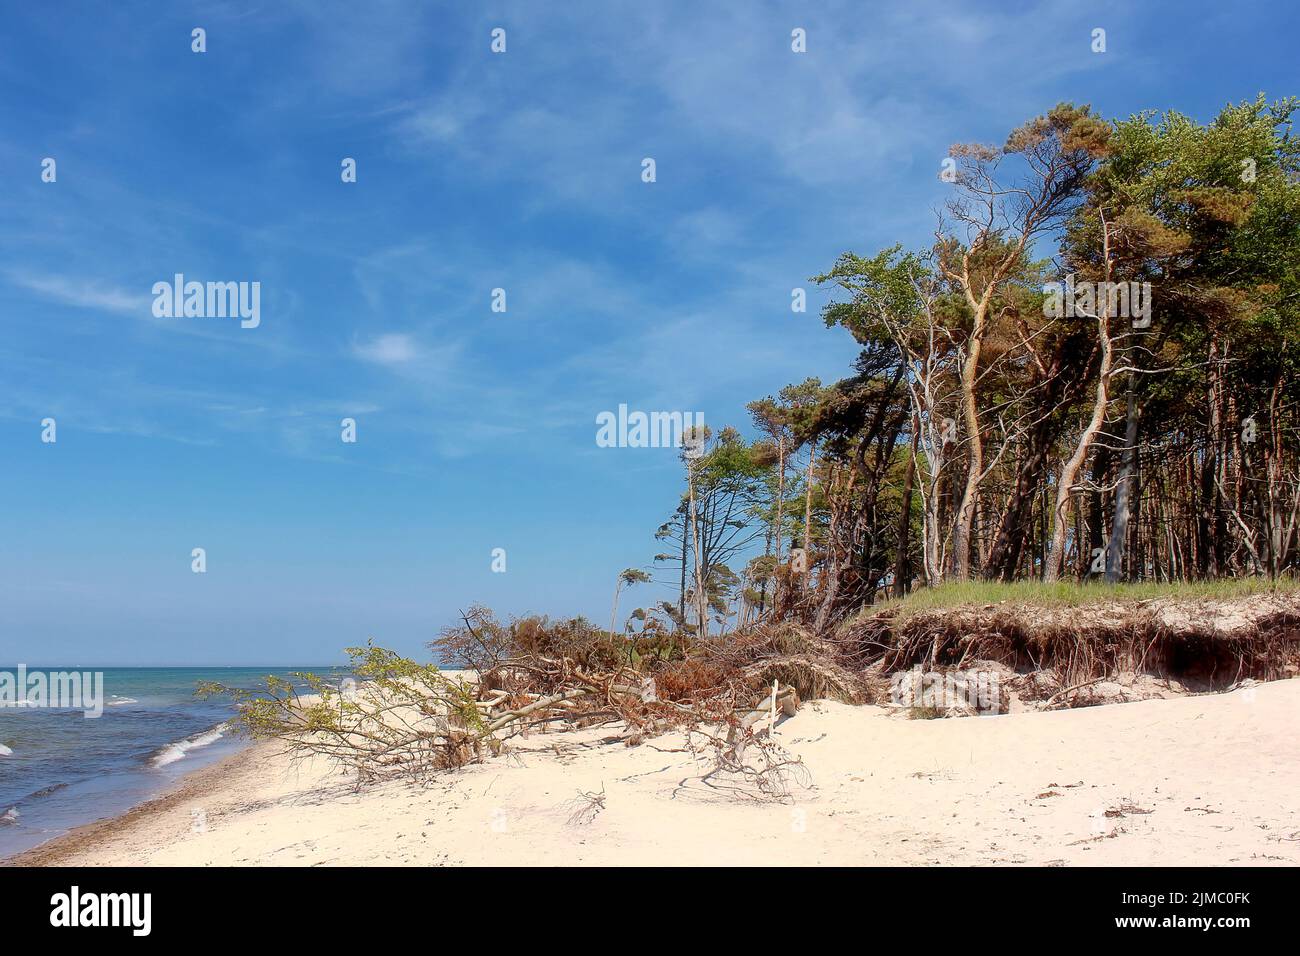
628, 577
994, 223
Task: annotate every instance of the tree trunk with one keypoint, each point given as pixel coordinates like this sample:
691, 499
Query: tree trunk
975, 456
1070, 470
902, 548
1205, 545
1118, 544
681, 594
779, 520
807, 513
700, 600
613, 614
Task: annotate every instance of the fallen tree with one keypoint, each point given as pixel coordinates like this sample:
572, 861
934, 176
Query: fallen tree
397, 718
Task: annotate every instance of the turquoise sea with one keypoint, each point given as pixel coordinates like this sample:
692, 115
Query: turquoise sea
60, 769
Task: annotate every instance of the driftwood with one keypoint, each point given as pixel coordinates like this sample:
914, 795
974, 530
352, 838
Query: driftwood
1047, 704
786, 701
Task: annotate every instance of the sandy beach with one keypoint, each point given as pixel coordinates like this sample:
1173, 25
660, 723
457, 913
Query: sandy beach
1204, 780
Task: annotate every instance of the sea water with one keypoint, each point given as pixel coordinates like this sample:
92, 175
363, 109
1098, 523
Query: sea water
59, 769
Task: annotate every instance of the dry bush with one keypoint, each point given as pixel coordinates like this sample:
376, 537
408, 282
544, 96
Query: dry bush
409, 720
692, 679
481, 642
793, 655
754, 768
395, 717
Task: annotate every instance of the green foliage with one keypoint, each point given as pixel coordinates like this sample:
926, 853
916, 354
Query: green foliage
393, 714
1210, 214
1070, 594
634, 576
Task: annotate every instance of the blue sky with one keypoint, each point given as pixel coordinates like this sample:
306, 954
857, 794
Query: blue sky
475, 171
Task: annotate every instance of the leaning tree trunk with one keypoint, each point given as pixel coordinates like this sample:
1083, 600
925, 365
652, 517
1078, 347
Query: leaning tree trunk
1070, 470
613, 614
965, 518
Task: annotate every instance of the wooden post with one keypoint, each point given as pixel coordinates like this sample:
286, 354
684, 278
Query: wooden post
771, 729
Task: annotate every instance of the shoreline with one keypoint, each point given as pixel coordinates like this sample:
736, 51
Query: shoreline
1204, 779
185, 788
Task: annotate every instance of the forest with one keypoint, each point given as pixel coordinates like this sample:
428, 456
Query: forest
1087, 376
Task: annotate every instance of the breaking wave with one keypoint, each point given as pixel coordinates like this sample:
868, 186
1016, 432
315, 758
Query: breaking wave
170, 753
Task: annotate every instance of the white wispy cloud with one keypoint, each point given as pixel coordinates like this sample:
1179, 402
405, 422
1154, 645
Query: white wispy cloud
84, 293
427, 365
391, 348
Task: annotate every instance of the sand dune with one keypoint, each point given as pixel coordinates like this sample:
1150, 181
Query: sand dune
1199, 780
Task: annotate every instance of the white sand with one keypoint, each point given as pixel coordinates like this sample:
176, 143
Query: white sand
1218, 776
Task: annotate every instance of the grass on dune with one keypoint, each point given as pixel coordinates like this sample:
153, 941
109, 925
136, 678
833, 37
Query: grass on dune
1071, 594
